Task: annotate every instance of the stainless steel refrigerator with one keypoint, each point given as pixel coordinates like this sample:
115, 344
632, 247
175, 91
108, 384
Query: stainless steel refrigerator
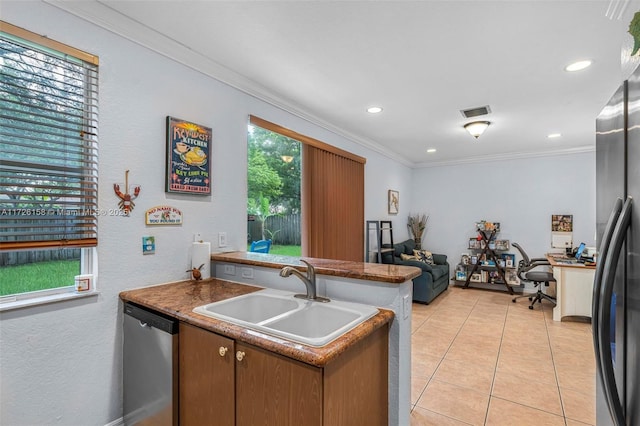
616, 294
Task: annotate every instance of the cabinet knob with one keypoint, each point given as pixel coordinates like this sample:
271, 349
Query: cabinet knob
239, 355
222, 351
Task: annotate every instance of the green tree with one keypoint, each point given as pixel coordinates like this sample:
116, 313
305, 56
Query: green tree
274, 147
263, 184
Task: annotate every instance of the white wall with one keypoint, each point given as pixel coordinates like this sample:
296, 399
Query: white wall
61, 363
521, 194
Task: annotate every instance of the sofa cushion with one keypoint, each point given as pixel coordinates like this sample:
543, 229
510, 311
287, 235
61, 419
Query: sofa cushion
409, 246
424, 256
438, 271
407, 257
439, 259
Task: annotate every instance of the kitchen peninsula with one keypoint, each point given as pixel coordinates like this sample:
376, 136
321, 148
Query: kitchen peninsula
380, 285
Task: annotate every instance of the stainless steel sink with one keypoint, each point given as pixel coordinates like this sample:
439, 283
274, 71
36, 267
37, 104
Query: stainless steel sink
278, 313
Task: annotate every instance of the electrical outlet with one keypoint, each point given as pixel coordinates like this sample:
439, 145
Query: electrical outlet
247, 273
230, 269
222, 239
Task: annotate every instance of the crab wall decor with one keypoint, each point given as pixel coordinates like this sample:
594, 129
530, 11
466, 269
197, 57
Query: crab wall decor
126, 203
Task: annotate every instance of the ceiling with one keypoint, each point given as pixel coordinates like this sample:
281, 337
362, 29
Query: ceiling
421, 61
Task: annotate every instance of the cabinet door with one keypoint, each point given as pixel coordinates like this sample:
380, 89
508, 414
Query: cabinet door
275, 390
207, 392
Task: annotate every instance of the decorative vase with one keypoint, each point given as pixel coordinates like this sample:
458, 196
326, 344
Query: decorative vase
418, 243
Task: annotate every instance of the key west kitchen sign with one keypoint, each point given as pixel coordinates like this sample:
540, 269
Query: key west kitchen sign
188, 157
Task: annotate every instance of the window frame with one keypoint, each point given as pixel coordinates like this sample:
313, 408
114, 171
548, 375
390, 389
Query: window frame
88, 251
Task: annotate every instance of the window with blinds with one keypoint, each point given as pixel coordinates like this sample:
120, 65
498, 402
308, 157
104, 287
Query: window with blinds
48, 164
48, 147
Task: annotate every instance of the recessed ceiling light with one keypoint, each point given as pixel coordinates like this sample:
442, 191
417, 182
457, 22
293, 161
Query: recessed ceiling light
374, 109
577, 66
430, 150
554, 135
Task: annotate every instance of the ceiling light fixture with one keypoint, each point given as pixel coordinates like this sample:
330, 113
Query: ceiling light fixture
578, 66
476, 128
374, 110
554, 135
430, 150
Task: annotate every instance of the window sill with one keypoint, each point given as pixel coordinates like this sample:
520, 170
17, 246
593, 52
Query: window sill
8, 303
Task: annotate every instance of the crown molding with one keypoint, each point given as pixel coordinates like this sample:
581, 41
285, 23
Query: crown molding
508, 156
99, 13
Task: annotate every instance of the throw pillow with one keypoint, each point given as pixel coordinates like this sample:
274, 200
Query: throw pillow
407, 257
424, 256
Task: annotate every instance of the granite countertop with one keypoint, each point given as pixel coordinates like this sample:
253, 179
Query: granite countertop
360, 270
179, 298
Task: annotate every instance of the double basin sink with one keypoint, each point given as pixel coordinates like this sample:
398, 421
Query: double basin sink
279, 313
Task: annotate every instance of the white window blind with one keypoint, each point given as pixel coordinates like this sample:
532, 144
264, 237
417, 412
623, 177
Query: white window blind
48, 143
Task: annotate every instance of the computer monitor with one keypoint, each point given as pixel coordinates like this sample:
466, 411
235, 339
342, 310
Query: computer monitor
581, 248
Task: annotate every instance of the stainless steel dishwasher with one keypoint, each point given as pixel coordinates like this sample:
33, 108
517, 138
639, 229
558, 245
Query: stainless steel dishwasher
150, 367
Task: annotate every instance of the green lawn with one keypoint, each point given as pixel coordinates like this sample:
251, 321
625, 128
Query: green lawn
37, 276
284, 250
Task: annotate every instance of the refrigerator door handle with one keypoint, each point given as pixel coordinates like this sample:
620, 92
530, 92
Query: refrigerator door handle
605, 364
597, 281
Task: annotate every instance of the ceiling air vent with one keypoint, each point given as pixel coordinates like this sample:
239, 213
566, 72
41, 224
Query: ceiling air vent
475, 112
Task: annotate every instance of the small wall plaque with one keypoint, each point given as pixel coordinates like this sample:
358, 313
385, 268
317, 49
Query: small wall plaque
163, 215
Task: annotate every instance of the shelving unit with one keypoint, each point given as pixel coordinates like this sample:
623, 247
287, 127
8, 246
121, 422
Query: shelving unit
384, 243
484, 265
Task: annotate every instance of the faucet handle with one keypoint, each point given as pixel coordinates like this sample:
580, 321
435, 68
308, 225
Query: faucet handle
311, 271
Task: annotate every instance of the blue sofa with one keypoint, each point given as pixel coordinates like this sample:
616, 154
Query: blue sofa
434, 278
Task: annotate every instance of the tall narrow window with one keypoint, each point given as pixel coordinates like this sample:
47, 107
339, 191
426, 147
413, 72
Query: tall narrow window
48, 160
332, 198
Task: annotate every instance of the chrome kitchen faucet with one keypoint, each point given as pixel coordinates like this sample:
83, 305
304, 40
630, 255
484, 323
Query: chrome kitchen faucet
309, 281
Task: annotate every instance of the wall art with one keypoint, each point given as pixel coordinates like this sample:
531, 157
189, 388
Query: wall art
188, 168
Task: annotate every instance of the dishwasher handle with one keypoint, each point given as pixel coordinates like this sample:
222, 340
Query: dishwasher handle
151, 319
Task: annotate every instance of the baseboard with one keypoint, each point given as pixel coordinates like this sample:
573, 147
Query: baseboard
116, 422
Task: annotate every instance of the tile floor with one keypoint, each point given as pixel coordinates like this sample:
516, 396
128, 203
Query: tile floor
479, 359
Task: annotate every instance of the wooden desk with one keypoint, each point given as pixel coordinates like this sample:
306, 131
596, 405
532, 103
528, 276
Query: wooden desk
574, 289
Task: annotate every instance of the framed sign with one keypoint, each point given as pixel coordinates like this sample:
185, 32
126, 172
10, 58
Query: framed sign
188, 168
393, 201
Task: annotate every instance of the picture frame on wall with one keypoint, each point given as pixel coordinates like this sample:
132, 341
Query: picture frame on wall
393, 201
188, 159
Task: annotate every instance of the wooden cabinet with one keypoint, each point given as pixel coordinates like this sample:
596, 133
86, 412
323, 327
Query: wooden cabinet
206, 368
249, 385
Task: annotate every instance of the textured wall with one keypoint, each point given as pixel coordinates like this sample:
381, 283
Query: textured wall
61, 363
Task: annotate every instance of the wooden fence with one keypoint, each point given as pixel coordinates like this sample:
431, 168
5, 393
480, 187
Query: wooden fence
33, 256
282, 230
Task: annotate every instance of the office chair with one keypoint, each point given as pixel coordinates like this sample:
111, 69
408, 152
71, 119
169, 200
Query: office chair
538, 278
261, 246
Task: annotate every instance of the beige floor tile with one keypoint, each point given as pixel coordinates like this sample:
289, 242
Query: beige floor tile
422, 417
583, 381
579, 406
463, 351
418, 384
467, 374
533, 370
539, 364
507, 413
571, 422
539, 395
454, 401
423, 364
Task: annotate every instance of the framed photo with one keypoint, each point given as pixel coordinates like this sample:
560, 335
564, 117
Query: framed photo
562, 223
509, 260
188, 160
461, 275
511, 276
474, 243
474, 260
394, 201
502, 244
464, 259
476, 278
